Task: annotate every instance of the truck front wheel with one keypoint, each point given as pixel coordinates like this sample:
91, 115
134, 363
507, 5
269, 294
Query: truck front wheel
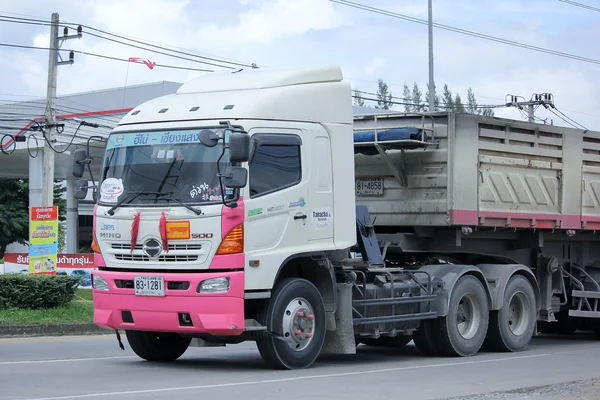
155, 346
295, 321
512, 327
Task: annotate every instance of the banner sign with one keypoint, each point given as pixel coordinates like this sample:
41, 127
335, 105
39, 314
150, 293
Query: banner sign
80, 265
43, 240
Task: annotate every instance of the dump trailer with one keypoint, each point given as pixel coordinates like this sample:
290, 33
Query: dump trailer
254, 206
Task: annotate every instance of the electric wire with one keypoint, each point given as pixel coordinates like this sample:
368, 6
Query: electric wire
119, 36
465, 31
573, 3
100, 56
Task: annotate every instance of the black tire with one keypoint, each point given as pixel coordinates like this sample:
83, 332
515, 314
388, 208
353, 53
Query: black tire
424, 338
277, 352
398, 341
468, 295
512, 327
156, 346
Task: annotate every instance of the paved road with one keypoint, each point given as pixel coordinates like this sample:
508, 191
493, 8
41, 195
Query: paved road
95, 368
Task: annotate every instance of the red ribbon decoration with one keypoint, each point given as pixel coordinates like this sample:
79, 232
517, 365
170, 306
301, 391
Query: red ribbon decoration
162, 227
135, 226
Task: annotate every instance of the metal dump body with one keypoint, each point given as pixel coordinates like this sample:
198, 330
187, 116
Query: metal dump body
471, 170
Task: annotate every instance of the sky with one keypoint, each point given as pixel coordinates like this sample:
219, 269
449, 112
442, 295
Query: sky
366, 45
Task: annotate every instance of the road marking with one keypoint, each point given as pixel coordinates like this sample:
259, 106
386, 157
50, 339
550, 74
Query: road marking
46, 338
291, 379
63, 360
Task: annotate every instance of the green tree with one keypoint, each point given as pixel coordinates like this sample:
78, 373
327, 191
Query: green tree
447, 99
408, 99
471, 102
417, 98
458, 104
384, 96
358, 100
14, 212
436, 98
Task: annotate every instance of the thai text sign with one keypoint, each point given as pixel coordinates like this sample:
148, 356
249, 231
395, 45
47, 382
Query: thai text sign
43, 240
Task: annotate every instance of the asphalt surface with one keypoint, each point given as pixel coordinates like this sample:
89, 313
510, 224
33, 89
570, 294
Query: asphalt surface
95, 368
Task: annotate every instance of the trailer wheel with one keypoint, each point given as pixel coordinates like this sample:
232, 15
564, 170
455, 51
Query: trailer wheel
463, 330
512, 327
155, 346
424, 338
295, 320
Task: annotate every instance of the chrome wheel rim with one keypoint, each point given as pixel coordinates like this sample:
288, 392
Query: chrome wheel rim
468, 317
518, 313
298, 324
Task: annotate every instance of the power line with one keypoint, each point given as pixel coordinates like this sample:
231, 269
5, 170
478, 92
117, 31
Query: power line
159, 52
466, 32
573, 3
102, 56
44, 22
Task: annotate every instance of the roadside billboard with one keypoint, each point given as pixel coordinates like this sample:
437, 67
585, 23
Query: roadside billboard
80, 265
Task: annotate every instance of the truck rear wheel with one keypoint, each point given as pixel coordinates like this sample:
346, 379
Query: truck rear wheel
512, 327
424, 338
155, 346
463, 330
295, 318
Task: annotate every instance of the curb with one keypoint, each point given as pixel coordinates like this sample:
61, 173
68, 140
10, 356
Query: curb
7, 331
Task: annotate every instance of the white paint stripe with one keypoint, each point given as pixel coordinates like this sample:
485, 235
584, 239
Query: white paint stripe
63, 360
291, 379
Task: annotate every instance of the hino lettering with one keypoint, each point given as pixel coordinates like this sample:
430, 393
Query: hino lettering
456, 231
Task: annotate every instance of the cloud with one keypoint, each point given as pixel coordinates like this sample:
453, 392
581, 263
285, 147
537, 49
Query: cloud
373, 66
300, 32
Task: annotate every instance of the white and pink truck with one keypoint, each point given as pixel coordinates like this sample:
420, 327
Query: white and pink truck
253, 205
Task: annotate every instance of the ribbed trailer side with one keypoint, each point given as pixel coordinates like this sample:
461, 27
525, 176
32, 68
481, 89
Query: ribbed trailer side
403, 184
480, 171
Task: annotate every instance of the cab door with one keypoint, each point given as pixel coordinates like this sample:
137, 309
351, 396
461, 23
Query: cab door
276, 202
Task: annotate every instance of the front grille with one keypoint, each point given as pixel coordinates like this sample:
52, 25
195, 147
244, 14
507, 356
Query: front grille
166, 258
126, 246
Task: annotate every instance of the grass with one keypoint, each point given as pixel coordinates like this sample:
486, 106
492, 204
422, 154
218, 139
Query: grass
83, 294
76, 311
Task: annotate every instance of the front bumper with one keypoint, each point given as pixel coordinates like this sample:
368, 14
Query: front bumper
219, 314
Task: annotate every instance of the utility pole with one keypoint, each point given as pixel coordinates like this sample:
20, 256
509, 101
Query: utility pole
543, 99
431, 81
48, 171
54, 60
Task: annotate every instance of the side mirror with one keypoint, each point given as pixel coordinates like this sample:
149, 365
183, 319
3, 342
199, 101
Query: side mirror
239, 147
80, 157
81, 189
209, 138
236, 177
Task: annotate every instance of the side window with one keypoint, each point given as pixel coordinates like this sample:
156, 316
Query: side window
275, 165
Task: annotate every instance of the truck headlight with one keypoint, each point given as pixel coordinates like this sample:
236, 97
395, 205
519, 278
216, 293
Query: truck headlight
215, 285
99, 283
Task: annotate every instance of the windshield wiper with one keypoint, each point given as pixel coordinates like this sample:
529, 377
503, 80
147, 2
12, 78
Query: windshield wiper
194, 210
132, 196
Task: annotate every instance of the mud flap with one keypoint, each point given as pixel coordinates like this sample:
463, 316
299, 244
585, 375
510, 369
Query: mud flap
341, 340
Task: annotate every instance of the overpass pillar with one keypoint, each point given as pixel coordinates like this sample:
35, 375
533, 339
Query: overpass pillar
72, 217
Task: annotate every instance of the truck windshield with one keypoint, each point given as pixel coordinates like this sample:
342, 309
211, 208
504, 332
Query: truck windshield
162, 166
